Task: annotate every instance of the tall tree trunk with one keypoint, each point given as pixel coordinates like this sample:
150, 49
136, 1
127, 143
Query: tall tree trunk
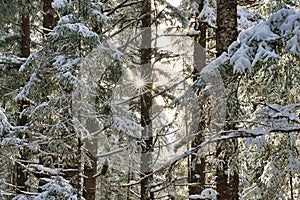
197, 165
49, 21
80, 180
49, 16
90, 181
226, 25
146, 104
25, 35
22, 176
227, 185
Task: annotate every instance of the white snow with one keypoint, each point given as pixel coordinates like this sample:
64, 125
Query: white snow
66, 19
57, 188
98, 15
294, 44
28, 62
3, 121
193, 33
26, 89
64, 64
195, 196
42, 169
271, 174
246, 19
293, 165
208, 193
208, 13
256, 45
279, 112
126, 126
80, 29
8, 60
60, 4
212, 69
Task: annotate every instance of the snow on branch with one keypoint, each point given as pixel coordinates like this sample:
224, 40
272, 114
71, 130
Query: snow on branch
208, 193
291, 124
77, 29
62, 5
231, 134
208, 13
3, 121
6, 61
247, 19
260, 43
276, 111
29, 62
23, 94
57, 188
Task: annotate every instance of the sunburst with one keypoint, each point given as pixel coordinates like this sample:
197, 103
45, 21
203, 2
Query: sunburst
137, 81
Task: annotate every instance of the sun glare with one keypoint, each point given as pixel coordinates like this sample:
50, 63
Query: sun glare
137, 81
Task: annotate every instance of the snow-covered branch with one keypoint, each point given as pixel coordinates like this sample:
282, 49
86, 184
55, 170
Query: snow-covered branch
3, 122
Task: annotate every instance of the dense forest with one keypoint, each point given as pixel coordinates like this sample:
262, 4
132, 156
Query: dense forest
148, 99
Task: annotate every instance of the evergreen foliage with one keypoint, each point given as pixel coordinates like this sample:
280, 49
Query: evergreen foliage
75, 115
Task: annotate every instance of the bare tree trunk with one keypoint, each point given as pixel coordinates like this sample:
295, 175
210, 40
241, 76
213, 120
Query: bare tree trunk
49, 16
49, 22
146, 104
197, 165
227, 185
226, 25
22, 176
25, 35
90, 181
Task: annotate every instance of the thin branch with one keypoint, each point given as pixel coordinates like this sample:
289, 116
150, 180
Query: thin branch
121, 5
233, 134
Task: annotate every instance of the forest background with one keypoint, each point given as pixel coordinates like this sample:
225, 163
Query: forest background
145, 99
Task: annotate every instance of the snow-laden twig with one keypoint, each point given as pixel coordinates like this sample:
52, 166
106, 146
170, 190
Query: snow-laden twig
3, 122
231, 134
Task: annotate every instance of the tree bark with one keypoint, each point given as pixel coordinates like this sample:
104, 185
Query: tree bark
226, 184
146, 104
197, 165
226, 25
90, 181
49, 22
25, 35
22, 176
49, 16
